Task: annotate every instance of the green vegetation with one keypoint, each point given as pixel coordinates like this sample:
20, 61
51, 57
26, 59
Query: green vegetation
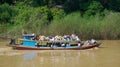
99, 19
93, 27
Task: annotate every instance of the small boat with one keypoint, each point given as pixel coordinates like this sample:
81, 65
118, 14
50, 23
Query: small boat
28, 44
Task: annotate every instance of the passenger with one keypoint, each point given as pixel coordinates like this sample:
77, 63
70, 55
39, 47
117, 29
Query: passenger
33, 34
41, 38
67, 44
24, 32
63, 45
73, 36
51, 46
77, 38
56, 37
65, 37
61, 38
93, 41
88, 42
79, 44
33, 37
51, 38
68, 38
37, 37
47, 38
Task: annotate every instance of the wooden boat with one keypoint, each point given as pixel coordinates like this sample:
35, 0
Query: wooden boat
20, 47
28, 44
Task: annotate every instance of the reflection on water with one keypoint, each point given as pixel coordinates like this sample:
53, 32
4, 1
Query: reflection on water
107, 56
28, 56
57, 58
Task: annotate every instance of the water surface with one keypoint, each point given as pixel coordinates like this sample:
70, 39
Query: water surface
108, 55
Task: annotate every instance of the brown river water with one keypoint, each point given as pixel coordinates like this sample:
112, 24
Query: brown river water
108, 55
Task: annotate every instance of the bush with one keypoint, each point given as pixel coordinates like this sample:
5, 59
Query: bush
94, 8
7, 12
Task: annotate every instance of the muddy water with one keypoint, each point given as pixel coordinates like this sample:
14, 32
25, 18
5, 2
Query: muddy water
108, 55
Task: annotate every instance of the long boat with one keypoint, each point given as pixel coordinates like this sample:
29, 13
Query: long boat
28, 44
20, 47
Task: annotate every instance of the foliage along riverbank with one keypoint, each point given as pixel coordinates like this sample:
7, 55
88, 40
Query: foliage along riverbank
93, 20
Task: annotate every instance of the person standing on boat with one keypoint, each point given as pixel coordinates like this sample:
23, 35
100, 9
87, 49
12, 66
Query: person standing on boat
24, 32
12, 41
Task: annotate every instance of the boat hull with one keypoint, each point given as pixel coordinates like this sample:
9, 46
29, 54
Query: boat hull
20, 47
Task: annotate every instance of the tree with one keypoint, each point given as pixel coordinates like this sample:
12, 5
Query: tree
94, 8
7, 1
114, 5
71, 5
7, 12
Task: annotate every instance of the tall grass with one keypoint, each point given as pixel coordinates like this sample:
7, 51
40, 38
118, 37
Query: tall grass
111, 26
93, 27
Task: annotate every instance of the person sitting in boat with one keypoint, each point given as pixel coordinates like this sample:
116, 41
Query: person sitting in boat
67, 44
75, 37
33, 36
63, 45
47, 39
41, 38
93, 41
79, 44
90, 42
37, 37
61, 38
58, 38
67, 37
51, 38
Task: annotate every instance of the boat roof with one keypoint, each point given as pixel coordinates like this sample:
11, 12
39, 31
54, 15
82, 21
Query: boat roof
28, 35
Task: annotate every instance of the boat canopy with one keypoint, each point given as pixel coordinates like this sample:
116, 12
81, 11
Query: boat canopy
28, 36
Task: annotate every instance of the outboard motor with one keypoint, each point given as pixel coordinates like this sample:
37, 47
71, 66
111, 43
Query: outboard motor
12, 41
